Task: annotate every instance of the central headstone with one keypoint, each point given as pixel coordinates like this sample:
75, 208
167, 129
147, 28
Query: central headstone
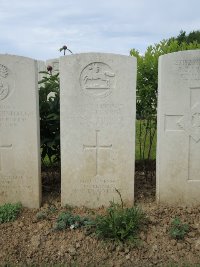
97, 128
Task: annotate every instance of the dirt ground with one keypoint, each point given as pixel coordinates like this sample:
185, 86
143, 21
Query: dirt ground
29, 241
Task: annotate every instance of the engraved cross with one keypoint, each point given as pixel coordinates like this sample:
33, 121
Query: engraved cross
189, 123
97, 147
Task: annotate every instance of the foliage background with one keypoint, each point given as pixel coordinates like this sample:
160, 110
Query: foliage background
146, 97
49, 103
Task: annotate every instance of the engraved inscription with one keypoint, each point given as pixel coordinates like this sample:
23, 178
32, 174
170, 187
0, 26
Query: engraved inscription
99, 115
96, 147
98, 188
4, 87
98, 184
189, 67
97, 79
97, 110
14, 184
12, 118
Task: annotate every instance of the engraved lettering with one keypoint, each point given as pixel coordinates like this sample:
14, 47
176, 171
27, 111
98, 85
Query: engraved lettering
11, 118
191, 67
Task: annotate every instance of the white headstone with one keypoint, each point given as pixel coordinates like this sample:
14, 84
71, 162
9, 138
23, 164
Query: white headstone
97, 128
19, 131
178, 151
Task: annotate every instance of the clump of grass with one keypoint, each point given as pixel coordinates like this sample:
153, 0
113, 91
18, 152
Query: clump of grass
46, 213
120, 223
178, 230
69, 220
51, 209
41, 215
9, 212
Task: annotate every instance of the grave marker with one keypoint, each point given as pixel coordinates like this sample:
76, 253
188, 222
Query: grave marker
19, 132
178, 153
97, 128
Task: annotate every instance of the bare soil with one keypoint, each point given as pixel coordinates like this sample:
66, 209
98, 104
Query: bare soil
32, 242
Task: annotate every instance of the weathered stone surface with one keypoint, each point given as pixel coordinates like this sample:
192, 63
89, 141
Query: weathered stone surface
97, 128
178, 151
19, 131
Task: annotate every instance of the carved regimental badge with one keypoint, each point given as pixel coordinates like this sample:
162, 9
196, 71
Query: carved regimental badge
4, 88
97, 79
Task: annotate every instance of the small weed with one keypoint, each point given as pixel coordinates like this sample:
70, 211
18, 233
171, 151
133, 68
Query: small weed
69, 220
45, 214
41, 215
178, 230
120, 223
9, 212
52, 209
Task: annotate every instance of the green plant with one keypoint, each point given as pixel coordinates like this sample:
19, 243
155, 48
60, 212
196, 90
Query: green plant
9, 212
52, 209
140, 135
69, 220
178, 230
49, 102
45, 214
120, 223
191, 37
41, 215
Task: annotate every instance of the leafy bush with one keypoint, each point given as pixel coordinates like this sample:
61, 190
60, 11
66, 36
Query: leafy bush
49, 102
69, 220
178, 230
120, 223
9, 212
